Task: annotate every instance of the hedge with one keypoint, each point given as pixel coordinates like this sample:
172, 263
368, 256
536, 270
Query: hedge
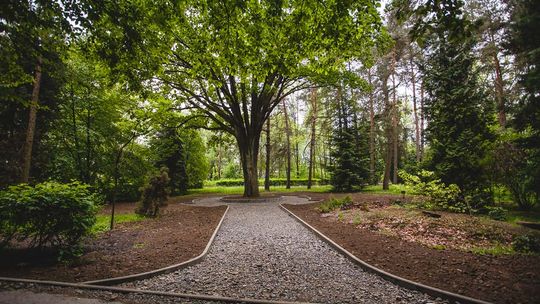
273, 182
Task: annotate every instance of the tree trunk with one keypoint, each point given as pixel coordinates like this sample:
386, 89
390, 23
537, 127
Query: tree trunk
371, 134
415, 112
296, 148
267, 167
422, 120
499, 86
394, 122
312, 141
30, 130
219, 160
288, 145
248, 145
388, 112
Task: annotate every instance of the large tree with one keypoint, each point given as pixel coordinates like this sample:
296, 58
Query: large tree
457, 110
235, 61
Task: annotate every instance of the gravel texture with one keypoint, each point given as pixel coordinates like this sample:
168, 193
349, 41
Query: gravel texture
29, 293
262, 253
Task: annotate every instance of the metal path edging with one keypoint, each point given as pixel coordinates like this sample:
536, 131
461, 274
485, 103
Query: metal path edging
454, 297
147, 292
168, 269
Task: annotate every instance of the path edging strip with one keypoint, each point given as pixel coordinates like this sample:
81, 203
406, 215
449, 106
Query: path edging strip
436, 292
168, 269
147, 292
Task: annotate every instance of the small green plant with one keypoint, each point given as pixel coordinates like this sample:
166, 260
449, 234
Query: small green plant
155, 194
340, 216
438, 247
48, 214
498, 249
526, 243
438, 195
497, 213
334, 203
357, 220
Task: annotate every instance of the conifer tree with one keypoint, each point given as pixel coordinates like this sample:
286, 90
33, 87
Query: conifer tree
457, 111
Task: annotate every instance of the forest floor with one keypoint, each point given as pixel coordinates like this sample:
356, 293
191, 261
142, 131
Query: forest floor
465, 254
179, 234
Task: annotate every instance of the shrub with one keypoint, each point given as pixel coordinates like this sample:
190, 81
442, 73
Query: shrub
155, 194
334, 203
497, 213
526, 243
273, 182
440, 196
49, 214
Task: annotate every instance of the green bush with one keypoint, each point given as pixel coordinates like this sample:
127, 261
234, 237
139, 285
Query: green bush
273, 182
155, 194
497, 213
527, 243
334, 203
440, 196
49, 214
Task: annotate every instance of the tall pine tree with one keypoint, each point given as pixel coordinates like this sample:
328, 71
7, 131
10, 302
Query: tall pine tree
349, 154
457, 110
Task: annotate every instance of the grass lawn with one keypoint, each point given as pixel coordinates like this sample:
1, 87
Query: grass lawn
103, 221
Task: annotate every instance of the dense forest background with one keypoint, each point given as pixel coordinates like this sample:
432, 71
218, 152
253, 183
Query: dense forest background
453, 89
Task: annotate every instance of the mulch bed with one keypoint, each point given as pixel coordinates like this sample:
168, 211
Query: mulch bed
499, 279
179, 234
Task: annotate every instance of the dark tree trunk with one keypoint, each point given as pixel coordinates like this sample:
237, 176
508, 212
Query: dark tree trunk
312, 141
288, 138
415, 111
372, 179
248, 145
394, 123
267, 167
422, 120
388, 118
499, 86
30, 130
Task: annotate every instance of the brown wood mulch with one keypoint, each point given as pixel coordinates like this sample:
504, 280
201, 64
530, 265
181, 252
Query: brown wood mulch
498, 279
179, 234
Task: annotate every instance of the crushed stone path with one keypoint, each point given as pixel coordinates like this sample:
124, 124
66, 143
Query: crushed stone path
260, 252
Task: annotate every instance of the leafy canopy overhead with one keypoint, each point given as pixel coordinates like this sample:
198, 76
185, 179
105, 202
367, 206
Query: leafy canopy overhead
219, 54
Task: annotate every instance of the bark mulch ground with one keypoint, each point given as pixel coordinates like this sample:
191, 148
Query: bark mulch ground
499, 279
179, 234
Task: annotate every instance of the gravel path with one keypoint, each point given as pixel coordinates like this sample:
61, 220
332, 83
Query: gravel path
262, 253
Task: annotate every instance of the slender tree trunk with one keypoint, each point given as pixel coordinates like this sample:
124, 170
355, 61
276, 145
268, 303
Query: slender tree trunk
415, 112
219, 160
422, 138
388, 110
394, 122
288, 138
30, 130
296, 148
499, 85
249, 150
267, 167
88, 144
75, 136
371, 133
312, 140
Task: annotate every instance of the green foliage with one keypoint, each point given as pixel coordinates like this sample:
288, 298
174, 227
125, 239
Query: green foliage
49, 213
335, 203
527, 243
440, 196
457, 110
273, 182
524, 42
349, 161
511, 166
497, 213
155, 194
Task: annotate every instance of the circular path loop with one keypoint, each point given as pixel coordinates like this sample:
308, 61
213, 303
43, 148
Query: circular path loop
260, 252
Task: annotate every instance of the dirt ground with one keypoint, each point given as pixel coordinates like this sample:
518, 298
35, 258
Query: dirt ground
400, 250
179, 234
